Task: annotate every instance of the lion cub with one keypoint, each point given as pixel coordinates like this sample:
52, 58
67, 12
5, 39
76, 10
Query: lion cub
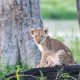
53, 51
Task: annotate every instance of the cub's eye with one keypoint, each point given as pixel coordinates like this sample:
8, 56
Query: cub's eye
41, 35
36, 36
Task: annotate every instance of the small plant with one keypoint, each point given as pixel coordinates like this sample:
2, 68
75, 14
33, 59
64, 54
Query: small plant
42, 77
17, 72
64, 76
6, 70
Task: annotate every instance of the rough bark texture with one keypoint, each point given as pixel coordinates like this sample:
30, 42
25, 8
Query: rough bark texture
16, 44
78, 8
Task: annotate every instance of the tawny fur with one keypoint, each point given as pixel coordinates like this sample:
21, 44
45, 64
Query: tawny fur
53, 51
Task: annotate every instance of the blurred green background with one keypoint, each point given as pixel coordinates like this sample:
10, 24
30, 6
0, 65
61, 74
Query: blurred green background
58, 9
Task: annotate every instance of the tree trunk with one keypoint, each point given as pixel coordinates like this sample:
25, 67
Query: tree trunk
78, 9
16, 43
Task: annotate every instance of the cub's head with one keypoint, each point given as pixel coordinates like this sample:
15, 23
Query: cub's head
39, 35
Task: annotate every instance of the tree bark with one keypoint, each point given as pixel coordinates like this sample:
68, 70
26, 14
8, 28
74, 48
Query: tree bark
16, 43
78, 10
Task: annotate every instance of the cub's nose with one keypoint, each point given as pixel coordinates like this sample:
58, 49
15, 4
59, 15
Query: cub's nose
38, 42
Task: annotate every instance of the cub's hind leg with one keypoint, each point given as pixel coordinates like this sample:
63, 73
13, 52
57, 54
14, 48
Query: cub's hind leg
64, 57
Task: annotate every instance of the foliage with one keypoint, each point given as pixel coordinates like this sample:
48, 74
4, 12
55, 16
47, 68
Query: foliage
17, 72
42, 77
64, 76
6, 70
75, 48
59, 9
18, 76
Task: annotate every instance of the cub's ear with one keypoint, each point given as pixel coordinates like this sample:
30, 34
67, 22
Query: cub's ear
46, 31
32, 31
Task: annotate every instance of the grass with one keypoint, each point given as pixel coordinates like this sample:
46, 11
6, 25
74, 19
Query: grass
6, 70
10, 69
59, 9
64, 76
19, 76
75, 48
